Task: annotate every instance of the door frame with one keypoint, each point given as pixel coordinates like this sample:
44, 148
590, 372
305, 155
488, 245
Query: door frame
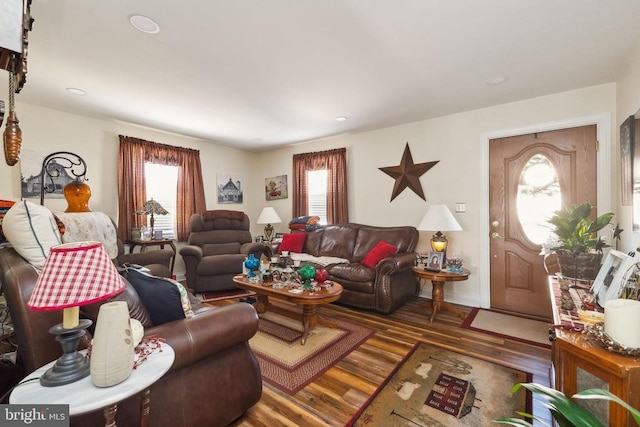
604, 181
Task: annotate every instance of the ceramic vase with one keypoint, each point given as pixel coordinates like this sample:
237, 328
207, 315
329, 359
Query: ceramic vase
112, 352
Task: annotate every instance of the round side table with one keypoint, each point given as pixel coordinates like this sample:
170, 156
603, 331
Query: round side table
438, 279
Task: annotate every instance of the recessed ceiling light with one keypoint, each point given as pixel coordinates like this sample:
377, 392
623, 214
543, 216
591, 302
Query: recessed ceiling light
144, 24
498, 80
76, 91
341, 118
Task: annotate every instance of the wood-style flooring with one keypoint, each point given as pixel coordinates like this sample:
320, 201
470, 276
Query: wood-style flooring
334, 398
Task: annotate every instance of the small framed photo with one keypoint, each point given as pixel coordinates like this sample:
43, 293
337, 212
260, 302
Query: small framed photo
612, 276
434, 261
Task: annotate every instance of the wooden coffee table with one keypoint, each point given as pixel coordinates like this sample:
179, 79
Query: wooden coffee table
308, 300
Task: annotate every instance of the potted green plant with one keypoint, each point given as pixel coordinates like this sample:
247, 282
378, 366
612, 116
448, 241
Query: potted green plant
564, 410
578, 246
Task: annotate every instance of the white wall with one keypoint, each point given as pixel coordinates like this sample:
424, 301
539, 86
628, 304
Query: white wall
628, 103
456, 141
96, 141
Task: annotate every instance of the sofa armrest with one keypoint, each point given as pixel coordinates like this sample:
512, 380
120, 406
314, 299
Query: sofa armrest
207, 332
159, 256
396, 263
192, 251
255, 248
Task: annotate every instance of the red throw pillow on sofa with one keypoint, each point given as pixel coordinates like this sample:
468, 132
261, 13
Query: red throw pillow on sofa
379, 252
292, 242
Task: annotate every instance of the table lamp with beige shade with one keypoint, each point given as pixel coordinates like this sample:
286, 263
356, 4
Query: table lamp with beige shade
268, 216
74, 274
439, 218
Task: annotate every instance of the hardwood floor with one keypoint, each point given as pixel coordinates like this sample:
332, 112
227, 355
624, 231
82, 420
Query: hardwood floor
333, 398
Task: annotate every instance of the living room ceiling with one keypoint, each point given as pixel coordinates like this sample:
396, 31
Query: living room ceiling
260, 74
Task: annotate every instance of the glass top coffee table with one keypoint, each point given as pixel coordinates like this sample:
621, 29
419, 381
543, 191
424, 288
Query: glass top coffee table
309, 301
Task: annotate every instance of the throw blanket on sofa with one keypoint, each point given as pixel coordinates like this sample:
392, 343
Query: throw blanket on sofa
95, 226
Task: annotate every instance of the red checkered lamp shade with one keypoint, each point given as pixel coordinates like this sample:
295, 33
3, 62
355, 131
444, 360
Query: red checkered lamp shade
75, 274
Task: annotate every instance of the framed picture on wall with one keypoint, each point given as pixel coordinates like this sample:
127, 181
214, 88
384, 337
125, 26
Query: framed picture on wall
627, 160
229, 188
276, 187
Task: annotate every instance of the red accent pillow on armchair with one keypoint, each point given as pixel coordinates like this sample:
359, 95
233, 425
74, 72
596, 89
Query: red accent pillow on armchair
292, 242
379, 252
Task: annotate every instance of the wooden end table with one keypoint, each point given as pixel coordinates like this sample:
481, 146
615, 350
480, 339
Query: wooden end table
308, 300
438, 279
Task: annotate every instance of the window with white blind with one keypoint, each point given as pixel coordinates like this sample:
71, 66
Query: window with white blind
162, 184
317, 194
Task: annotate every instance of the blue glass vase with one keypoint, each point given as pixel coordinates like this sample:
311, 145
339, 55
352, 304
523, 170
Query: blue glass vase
251, 263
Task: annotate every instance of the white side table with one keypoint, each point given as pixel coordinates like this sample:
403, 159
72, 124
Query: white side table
82, 396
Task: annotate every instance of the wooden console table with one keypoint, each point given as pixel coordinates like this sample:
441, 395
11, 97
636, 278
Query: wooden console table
579, 364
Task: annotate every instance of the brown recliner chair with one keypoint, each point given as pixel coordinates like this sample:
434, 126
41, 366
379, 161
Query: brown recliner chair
219, 242
214, 379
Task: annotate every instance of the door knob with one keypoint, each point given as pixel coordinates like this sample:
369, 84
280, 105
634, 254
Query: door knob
496, 235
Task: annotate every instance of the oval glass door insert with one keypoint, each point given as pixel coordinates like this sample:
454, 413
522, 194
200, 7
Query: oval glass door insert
538, 198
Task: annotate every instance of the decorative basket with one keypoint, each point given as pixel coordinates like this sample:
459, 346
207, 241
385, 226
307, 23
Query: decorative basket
584, 266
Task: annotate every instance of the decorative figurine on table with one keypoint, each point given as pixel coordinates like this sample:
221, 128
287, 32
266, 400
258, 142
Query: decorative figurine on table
251, 263
454, 265
307, 273
321, 275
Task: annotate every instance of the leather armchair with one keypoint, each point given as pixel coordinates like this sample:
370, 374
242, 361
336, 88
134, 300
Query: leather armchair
214, 379
218, 243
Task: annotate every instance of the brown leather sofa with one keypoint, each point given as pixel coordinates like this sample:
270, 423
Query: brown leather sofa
219, 241
384, 288
214, 379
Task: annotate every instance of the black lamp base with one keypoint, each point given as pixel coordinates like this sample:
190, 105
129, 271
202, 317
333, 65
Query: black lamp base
71, 366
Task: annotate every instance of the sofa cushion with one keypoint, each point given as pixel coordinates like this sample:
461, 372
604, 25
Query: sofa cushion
379, 252
161, 298
210, 249
354, 272
32, 231
292, 242
338, 240
220, 264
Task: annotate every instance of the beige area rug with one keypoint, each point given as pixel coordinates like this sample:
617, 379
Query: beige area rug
516, 328
438, 387
290, 366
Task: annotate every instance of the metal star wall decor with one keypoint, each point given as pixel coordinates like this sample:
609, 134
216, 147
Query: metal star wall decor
407, 174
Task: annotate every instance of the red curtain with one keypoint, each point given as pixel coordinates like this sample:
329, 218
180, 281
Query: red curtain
335, 162
134, 153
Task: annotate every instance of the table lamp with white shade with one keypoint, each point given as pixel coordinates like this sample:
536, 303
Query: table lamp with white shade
439, 218
268, 216
74, 274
